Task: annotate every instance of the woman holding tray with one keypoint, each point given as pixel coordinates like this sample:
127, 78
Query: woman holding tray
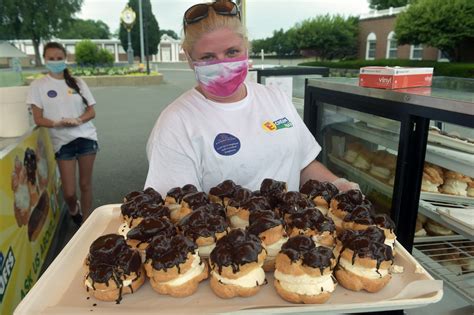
65, 105
226, 128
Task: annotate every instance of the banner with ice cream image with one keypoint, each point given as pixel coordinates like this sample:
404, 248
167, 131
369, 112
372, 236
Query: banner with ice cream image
29, 215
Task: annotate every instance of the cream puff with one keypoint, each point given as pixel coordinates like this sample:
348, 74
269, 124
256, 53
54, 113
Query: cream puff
292, 202
133, 213
432, 178
112, 269
22, 201
311, 222
143, 233
205, 226
174, 266
320, 193
364, 260
175, 195
352, 151
273, 190
236, 265
344, 203
303, 271
433, 228
383, 165
363, 159
455, 184
238, 211
223, 192
270, 228
149, 195
189, 203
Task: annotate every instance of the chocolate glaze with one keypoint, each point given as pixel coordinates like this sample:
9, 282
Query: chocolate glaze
151, 227
196, 200
235, 249
367, 243
179, 192
202, 223
360, 215
241, 195
311, 218
293, 202
273, 190
225, 189
38, 215
262, 220
348, 200
213, 208
30, 165
313, 188
303, 247
149, 194
256, 203
111, 258
384, 221
167, 252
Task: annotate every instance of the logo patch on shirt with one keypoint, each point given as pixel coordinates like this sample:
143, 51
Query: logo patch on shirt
277, 124
226, 144
71, 92
52, 93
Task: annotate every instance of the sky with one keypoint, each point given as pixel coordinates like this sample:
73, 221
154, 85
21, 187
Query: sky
263, 16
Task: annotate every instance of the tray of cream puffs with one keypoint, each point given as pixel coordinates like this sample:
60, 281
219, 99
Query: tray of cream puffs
234, 249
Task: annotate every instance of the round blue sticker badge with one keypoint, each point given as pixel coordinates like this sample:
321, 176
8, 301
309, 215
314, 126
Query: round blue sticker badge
52, 93
226, 144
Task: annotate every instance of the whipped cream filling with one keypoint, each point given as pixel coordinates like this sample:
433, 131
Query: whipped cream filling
336, 219
350, 156
22, 197
362, 163
439, 229
370, 273
196, 269
456, 187
254, 278
274, 249
380, 171
470, 192
125, 283
317, 240
427, 185
421, 232
323, 210
205, 251
390, 242
237, 222
123, 230
305, 284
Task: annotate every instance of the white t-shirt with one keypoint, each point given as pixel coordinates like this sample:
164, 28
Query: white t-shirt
59, 101
200, 142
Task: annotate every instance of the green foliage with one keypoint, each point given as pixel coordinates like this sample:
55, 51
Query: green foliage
105, 57
170, 33
150, 25
281, 43
85, 29
385, 4
445, 24
95, 71
86, 53
328, 37
465, 70
35, 19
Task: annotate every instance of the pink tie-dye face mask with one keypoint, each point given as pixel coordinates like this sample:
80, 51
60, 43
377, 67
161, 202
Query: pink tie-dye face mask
221, 77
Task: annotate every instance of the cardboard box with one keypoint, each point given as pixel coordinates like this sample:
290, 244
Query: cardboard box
395, 77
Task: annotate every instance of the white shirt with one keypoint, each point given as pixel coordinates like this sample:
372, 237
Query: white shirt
58, 101
201, 142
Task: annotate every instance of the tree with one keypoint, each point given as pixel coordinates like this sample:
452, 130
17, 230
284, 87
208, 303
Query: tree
36, 19
445, 24
385, 4
328, 37
170, 33
149, 23
85, 29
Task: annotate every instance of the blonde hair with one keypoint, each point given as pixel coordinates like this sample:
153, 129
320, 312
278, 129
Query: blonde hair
211, 23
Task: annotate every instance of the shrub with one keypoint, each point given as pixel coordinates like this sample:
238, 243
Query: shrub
105, 57
450, 69
86, 53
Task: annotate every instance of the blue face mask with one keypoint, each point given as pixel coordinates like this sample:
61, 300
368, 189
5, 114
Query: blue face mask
56, 66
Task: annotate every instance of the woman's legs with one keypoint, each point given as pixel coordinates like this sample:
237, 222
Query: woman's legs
67, 169
86, 164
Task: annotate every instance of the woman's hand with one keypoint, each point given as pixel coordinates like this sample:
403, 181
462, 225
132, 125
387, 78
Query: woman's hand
69, 122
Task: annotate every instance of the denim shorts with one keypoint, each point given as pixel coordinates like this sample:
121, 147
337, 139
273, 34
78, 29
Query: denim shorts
76, 149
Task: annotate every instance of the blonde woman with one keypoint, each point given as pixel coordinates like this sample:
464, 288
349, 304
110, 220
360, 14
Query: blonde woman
226, 128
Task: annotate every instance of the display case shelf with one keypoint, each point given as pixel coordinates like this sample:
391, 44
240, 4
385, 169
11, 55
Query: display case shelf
382, 137
438, 256
429, 209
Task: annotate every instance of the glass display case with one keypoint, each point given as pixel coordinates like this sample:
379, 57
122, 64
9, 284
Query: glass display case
412, 153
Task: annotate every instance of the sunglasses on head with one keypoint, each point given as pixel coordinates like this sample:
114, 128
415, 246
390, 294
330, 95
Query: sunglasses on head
200, 11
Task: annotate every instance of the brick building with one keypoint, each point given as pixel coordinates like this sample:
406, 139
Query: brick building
377, 39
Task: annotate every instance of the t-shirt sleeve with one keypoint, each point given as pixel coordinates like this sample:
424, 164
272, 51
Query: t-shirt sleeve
309, 147
86, 92
172, 161
33, 96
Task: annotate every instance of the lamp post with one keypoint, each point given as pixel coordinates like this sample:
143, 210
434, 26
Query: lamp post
128, 17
